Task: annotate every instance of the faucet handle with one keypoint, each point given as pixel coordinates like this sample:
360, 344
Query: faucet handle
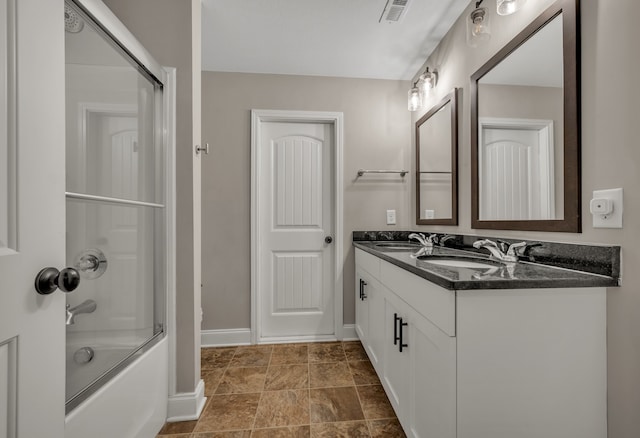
419, 237
512, 251
484, 242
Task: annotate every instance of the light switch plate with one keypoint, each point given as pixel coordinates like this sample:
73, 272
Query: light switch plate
614, 219
391, 217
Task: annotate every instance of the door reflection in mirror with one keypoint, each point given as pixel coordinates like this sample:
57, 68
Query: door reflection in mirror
520, 123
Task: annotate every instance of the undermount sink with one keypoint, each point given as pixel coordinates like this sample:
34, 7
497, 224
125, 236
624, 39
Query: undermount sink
460, 262
398, 245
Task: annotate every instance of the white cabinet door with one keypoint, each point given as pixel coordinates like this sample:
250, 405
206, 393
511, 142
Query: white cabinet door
395, 376
432, 373
362, 306
375, 294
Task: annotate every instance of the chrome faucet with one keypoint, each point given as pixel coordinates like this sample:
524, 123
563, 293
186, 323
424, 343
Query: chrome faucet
87, 306
510, 256
426, 242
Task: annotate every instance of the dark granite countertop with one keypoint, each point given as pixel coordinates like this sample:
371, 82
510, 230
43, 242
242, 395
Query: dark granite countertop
520, 275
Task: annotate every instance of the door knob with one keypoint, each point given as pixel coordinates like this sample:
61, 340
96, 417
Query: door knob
50, 279
328, 239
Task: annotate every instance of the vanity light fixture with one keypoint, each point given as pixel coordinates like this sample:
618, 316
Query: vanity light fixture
418, 94
415, 99
508, 7
478, 29
426, 82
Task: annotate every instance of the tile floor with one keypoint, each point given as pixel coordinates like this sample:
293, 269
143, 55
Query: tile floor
314, 390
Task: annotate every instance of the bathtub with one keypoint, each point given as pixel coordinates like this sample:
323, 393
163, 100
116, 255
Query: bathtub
133, 404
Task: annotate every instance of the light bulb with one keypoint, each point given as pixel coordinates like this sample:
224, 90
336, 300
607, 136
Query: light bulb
414, 102
508, 7
425, 84
478, 30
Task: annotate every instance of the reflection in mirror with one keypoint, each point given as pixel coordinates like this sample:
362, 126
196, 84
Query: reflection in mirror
436, 164
525, 129
520, 131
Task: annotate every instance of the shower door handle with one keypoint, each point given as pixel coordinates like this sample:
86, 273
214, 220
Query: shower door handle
50, 279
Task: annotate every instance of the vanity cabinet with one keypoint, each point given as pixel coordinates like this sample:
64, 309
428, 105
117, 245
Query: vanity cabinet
485, 363
414, 358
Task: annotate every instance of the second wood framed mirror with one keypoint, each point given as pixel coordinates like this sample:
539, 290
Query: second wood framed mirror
525, 129
437, 164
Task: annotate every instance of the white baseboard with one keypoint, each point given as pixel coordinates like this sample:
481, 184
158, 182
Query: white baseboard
186, 406
221, 338
349, 332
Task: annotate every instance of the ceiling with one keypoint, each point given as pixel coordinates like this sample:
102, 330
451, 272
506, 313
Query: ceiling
322, 37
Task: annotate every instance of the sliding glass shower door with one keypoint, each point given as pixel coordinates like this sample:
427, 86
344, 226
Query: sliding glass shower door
115, 162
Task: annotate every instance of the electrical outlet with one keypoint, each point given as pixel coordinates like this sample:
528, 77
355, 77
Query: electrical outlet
606, 208
391, 217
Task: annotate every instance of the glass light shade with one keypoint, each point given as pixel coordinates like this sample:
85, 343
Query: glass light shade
508, 7
426, 83
414, 100
478, 28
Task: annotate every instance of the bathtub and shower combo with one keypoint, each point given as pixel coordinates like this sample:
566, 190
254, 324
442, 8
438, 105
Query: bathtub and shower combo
117, 228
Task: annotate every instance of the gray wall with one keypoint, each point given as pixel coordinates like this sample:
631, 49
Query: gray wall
376, 136
610, 158
170, 31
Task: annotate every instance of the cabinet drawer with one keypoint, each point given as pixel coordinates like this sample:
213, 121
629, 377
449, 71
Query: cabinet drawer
433, 302
369, 263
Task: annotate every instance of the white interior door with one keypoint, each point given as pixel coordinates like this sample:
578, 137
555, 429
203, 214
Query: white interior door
32, 205
516, 173
296, 287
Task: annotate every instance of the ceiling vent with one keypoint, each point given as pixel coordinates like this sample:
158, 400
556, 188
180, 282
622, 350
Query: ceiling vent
394, 11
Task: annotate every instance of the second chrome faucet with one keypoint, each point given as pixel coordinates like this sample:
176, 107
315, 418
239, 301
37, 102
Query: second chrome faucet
497, 253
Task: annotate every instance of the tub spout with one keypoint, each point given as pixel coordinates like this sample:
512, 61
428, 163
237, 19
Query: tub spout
87, 306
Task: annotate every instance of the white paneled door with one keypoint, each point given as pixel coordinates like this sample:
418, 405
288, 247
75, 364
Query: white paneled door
516, 171
296, 210
32, 217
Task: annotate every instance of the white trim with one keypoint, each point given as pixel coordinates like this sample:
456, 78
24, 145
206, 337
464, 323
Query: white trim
186, 406
170, 201
337, 121
349, 333
221, 338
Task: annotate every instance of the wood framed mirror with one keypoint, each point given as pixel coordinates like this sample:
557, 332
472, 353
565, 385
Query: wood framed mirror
437, 164
525, 129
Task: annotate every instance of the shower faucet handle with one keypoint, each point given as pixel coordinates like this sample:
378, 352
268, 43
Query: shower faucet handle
50, 279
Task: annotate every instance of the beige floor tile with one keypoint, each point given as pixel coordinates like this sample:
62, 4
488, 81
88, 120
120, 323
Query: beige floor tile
255, 355
282, 432
283, 408
322, 375
178, 427
242, 380
375, 403
348, 429
216, 357
386, 429
228, 412
363, 373
293, 376
354, 351
290, 353
227, 434
335, 404
326, 352
211, 379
